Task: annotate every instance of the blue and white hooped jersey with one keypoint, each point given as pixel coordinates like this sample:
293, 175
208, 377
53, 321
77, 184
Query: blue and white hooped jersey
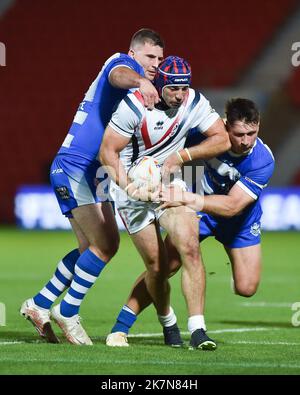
94, 112
250, 172
159, 133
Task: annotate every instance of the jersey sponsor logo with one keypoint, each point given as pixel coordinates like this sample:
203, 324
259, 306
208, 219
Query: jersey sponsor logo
177, 80
159, 125
255, 183
173, 131
255, 229
57, 171
63, 192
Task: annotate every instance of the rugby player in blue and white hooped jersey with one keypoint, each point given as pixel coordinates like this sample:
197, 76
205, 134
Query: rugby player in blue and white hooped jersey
134, 132
73, 177
232, 183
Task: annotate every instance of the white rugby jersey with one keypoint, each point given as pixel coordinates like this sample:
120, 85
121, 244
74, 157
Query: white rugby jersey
159, 133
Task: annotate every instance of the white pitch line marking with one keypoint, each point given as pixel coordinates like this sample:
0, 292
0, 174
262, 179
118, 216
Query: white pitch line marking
266, 304
264, 343
143, 335
229, 330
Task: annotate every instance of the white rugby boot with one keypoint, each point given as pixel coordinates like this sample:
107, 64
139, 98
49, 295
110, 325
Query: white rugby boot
40, 319
117, 339
71, 327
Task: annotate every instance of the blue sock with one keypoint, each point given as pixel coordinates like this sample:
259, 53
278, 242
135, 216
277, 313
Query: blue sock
125, 320
87, 269
59, 282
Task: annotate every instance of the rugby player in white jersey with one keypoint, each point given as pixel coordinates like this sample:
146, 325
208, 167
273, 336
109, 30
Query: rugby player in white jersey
73, 173
228, 205
134, 132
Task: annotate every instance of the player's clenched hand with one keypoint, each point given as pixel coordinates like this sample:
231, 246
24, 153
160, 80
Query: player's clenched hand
142, 193
149, 93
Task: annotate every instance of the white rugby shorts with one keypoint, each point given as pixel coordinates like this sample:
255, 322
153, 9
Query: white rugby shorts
135, 214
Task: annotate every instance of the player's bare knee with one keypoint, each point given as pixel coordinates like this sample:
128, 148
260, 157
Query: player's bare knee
189, 249
246, 289
106, 252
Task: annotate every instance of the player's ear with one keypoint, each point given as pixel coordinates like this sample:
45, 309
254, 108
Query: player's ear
225, 123
131, 53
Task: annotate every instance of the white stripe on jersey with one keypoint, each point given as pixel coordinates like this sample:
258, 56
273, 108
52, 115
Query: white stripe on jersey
68, 140
80, 117
246, 189
160, 133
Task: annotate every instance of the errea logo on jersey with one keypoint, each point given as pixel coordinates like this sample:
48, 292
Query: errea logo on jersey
159, 125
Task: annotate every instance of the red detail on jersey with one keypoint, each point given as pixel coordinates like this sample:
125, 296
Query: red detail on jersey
144, 128
145, 134
139, 96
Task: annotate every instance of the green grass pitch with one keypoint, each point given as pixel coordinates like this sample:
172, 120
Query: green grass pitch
254, 335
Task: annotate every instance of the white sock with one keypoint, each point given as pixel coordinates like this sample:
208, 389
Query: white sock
196, 322
168, 320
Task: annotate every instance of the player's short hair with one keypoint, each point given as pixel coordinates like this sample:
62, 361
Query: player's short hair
238, 109
172, 71
144, 35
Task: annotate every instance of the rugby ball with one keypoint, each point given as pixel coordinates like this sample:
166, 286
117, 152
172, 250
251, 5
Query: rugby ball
145, 172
